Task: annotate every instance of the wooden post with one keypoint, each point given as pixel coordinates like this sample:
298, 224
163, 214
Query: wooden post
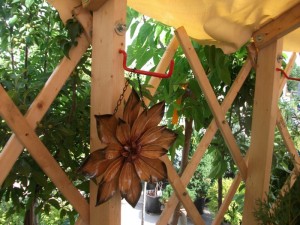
263, 126
106, 87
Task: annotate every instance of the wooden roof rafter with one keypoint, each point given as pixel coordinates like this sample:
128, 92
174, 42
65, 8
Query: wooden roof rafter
277, 28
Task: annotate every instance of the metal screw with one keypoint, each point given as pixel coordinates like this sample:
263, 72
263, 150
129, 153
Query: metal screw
259, 37
120, 28
279, 58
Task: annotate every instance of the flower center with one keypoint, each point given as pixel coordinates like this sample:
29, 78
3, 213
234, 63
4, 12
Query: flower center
131, 151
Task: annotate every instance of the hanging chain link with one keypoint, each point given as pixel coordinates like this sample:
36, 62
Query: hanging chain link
122, 95
124, 90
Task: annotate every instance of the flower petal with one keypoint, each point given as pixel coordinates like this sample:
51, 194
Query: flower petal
148, 119
153, 151
166, 139
132, 108
123, 132
142, 170
106, 128
150, 170
113, 151
151, 135
106, 190
125, 179
95, 164
113, 169
130, 184
134, 193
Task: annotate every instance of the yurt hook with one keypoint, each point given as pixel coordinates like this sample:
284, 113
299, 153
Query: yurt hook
286, 76
148, 73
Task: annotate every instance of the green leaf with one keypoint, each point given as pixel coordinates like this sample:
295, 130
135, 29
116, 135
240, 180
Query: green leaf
39, 178
54, 203
28, 3
133, 28
63, 212
143, 57
13, 20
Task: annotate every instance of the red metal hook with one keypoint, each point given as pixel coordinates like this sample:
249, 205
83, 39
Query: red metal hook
286, 76
148, 73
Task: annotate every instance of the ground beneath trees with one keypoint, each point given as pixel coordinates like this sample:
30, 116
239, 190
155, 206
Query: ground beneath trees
133, 216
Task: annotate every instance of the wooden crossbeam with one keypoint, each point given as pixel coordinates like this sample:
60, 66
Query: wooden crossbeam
289, 183
86, 20
287, 139
41, 104
26, 135
205, 141
162, 66
237, 180
181, 192
227, 200
211, 99
277, 28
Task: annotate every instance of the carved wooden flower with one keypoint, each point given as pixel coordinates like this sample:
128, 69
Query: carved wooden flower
133, 147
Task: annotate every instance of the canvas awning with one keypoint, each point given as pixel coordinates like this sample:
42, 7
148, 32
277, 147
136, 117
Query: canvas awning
227, 24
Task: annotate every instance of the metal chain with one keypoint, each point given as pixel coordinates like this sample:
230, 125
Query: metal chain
122, 95
124, 90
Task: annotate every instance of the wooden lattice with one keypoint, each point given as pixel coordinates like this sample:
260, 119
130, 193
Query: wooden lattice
23, 126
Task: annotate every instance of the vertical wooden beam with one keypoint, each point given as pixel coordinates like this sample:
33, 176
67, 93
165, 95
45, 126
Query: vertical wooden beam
106, 87
263, 126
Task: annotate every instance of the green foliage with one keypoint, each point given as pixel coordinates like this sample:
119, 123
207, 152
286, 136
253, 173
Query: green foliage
168, 191
292, 85
200, 181
286, 210
234, 212
31, 34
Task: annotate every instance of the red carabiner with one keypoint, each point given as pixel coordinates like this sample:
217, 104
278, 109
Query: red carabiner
148, 73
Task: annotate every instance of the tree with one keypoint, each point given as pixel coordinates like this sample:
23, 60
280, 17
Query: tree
33, 40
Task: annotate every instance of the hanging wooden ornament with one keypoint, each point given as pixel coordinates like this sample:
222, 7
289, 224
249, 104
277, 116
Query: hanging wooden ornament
134, 144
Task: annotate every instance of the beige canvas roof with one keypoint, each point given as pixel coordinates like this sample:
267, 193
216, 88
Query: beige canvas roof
227, 24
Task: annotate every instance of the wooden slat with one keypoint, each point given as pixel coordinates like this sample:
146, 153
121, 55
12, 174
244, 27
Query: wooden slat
26, 135
85, 18
39, 107
79, 221
227, 200
288, 70
162, 66
289, 183
224, 207
182, 193
287, 139
211, 99
106, 87
93, 5
277, 28
65, 8
205, 141
263, 127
